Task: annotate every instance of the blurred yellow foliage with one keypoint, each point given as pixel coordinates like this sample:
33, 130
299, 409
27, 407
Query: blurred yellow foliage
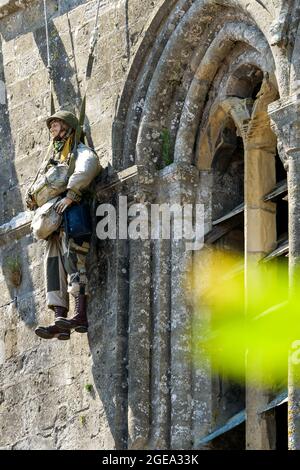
254, 326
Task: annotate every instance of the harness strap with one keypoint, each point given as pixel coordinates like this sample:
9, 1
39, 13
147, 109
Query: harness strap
43, 166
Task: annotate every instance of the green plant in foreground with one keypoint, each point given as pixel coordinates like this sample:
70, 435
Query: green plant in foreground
254, 323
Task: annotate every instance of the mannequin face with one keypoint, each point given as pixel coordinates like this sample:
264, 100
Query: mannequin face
57, 129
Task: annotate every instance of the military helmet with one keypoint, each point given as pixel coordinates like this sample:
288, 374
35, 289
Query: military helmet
66, 116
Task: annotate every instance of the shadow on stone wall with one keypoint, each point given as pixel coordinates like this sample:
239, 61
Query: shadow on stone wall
108, 319
11, 200
11, 204
127, 31
109, 386
65, 76
110, 383
101, 341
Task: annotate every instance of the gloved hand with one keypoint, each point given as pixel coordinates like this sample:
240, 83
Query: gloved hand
62, 205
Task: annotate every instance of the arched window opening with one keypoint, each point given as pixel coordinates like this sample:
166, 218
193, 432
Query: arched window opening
282, 206
228, 187
245, 82
228, 225
279, 257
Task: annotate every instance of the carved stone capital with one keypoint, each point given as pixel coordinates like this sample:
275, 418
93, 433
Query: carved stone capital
140, 185
136, 182
240, 111
285, 122
259, 134
177, 183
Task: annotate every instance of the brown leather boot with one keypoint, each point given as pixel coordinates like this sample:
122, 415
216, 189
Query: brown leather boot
79, 321
60, 313
53, 331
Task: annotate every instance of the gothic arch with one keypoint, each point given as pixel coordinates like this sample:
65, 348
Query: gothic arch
208, 61
197, 45
240, 113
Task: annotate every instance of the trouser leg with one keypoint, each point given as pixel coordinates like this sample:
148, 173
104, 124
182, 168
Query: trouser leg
56, 287
77, 285
75, 265
55, 272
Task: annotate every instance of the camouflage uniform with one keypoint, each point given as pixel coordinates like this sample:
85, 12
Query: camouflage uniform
65, 258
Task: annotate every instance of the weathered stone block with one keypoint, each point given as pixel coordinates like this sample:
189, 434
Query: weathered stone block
11, 6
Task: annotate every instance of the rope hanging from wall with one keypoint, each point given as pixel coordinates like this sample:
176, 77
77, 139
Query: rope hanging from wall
89, 67
49, 67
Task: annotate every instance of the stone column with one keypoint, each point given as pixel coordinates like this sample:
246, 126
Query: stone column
182, 190
139, 344
285, 115
160, 364
260, 238
139, 328
203, 385
294, 265
120, 301
131, 293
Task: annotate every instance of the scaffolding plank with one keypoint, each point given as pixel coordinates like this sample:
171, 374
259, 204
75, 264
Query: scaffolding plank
237, 210
279, 400
279, 190
279, 308
282, 249
232, 423
220, 230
